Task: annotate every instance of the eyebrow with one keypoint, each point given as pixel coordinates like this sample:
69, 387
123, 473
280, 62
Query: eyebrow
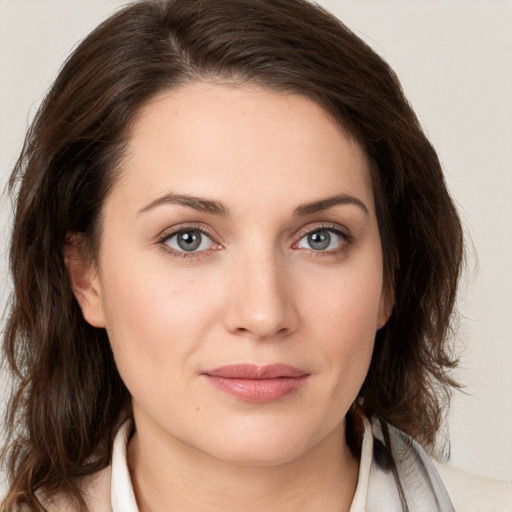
197, 203
329, 202
218, 208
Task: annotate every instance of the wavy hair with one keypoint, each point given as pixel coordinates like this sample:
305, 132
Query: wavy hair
67, 397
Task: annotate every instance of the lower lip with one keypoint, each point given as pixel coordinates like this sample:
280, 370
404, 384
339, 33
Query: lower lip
258, 390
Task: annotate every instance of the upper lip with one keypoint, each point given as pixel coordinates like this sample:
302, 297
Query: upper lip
256, 372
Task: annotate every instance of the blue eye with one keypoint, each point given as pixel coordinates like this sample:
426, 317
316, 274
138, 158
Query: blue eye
190, 240
322, 240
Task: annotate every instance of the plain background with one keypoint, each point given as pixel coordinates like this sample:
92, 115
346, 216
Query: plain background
454, 58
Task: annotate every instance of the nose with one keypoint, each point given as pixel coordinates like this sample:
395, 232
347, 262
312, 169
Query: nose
260, 298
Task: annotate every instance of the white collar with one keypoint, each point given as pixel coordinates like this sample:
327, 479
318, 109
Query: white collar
122, 496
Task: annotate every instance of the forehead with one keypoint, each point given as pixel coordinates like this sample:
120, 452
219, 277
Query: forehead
240, 143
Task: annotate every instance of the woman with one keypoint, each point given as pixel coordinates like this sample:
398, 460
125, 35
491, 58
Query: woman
234, 261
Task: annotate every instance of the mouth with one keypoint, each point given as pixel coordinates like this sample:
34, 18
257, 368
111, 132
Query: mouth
253, 383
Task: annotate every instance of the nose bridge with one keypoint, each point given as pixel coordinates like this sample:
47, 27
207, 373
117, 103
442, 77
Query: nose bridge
260, 302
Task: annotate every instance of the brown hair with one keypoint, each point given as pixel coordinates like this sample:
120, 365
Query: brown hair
68, 398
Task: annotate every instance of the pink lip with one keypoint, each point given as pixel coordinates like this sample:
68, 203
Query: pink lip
253, 383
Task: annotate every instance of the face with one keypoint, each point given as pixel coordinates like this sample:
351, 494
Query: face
239, 274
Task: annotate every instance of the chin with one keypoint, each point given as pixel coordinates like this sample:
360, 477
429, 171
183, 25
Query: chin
259, 444
259, 453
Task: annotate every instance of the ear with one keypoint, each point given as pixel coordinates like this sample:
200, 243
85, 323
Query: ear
387, 301
84, 279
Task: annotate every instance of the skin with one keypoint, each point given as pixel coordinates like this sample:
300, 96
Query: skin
254, 292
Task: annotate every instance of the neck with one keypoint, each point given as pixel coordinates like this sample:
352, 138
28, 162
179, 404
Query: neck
169, 475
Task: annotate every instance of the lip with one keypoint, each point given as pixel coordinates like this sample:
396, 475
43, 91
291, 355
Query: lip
253, 383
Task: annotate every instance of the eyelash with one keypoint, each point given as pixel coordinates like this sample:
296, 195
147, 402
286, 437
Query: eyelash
347, 241
191, 255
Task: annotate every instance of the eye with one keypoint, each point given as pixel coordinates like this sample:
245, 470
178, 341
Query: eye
189, 240
322, 240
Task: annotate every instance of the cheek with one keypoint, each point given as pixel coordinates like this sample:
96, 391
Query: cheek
348, 303
343, 319
155, 318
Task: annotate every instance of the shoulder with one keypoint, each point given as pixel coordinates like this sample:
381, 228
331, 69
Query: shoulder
471, 493
109, 488
96, 491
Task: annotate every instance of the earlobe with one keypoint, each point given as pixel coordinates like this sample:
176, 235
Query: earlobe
84, 280
387, 302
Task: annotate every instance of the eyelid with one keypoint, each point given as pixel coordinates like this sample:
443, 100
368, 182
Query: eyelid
175, 230
187, 226
327, 226
323, 225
